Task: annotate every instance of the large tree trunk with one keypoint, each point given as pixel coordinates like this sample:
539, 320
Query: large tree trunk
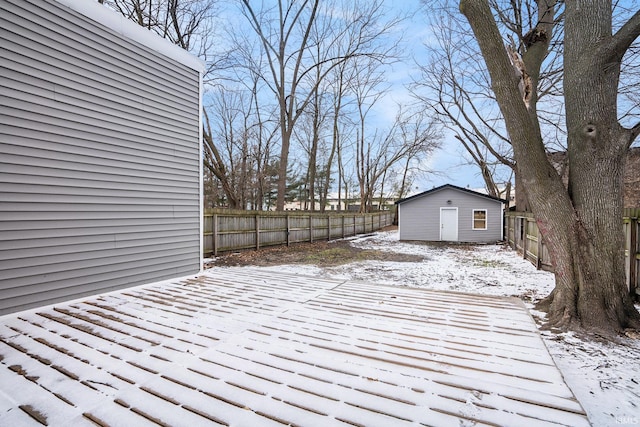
522, 203
582, 226
597, 145
285, 142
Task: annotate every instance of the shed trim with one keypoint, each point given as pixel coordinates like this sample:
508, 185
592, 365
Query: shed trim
473, 219
451, 186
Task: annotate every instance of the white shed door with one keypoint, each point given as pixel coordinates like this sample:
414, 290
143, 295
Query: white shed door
449, 224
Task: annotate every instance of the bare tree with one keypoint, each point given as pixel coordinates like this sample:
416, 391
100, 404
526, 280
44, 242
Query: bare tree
277, 33
457, 88
229, 157
186, 23
237, 144
581, 223
216, 164
285, 31
311, 135
265, 130
377, 153
338, 87
324, 106
419, 131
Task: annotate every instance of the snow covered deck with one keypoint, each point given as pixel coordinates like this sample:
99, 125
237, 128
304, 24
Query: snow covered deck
246, 347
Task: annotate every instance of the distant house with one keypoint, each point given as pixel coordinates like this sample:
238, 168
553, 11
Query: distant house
100, 178
334, 204
450, 213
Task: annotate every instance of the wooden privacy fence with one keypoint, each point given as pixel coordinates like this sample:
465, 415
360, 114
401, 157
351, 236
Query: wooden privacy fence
226, 230
522, 234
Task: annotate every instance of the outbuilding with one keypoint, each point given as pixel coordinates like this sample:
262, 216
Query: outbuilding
451, 213
100, 142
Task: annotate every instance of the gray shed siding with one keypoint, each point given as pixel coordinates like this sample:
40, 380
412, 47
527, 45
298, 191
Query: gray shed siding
419, 218
99, 158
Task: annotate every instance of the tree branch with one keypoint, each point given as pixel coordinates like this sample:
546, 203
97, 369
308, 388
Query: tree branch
622, 40
634, 132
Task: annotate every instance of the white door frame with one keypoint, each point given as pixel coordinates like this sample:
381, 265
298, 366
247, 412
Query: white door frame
442, 223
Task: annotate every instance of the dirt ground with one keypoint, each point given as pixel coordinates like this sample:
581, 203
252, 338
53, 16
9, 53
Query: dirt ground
321, 253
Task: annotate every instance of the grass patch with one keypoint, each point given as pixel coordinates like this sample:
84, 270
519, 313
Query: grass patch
322, 253
346, 254
489, 263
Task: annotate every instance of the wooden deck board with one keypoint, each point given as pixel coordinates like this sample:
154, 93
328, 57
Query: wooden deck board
243, 347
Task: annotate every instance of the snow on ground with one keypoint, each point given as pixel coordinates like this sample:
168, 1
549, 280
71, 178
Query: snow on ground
605, 377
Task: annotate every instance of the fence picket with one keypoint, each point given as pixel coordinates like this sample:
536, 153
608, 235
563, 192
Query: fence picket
529, 235
226, 230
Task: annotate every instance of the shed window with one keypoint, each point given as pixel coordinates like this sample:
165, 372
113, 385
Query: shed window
479, 219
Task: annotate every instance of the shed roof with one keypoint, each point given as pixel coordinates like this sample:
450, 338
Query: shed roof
453, 187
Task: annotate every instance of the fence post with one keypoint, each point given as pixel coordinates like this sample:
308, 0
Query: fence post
288, 231
505, 232
507, 222
354, 225
633, 250
310, 228
525, 239
215, 234
343, 227
539, 260
257, 232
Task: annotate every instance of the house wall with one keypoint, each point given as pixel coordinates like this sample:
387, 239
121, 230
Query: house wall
99, 155
419, 218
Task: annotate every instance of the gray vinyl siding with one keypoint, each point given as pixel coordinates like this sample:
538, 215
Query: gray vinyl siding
418, 220
99, 159
419, 217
